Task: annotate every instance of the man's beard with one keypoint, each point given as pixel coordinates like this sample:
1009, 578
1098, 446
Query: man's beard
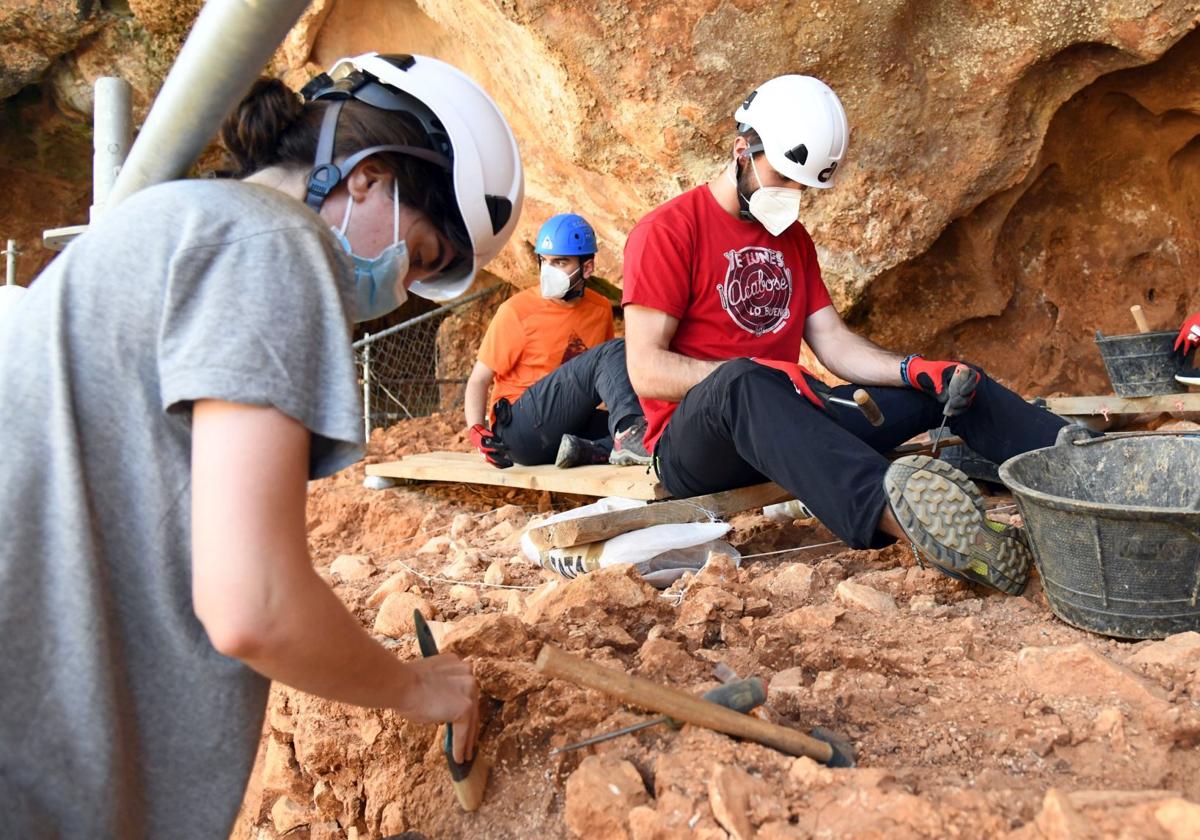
746, 184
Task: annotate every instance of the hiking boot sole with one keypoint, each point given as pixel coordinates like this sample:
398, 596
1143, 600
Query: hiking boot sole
628, 459
574, 451
944, 516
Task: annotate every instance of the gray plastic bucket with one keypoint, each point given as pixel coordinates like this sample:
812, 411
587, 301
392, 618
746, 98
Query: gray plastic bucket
1141, 364
1115, 528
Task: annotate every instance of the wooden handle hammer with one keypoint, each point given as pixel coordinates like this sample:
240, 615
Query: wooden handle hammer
679, 704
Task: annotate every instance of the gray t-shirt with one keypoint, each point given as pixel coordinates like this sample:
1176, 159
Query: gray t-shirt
118, 718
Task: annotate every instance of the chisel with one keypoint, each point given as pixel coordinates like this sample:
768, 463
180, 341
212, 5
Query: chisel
961, 374
470, 777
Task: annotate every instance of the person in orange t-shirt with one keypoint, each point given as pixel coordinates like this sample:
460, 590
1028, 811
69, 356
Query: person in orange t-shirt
550, 358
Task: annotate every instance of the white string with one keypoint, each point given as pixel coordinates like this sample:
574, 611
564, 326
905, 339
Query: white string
797, 548
479, 583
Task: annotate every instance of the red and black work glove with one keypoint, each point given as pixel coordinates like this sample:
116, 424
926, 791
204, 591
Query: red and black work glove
800, 380
493, 449
934, 379
1189, 335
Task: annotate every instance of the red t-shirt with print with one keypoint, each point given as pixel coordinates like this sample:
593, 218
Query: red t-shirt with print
736, 289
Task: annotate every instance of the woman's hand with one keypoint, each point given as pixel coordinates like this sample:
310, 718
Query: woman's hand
441, 689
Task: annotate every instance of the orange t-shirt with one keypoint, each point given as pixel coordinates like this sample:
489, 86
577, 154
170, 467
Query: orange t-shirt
529, 338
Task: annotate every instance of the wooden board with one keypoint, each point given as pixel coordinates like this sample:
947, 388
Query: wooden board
603, 526
1109, 405
470, 468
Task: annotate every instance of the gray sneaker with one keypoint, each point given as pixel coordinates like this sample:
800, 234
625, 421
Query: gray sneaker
629, 446
943, 516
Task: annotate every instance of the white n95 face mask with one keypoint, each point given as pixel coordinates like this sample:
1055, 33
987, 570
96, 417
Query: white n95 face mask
775, 208
555, 282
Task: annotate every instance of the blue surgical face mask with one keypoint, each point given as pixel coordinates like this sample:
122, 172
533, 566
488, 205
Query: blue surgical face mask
379, 282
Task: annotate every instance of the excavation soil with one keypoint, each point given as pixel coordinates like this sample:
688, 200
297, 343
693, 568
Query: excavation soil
973, 714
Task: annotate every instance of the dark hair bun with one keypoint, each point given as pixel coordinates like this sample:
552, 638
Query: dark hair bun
252, 133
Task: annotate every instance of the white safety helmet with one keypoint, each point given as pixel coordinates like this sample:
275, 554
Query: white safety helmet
471, 136
802, 126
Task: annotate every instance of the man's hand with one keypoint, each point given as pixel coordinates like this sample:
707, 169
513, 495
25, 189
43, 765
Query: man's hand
1189, 335
797, 373
441, 689
934, 379
490, 445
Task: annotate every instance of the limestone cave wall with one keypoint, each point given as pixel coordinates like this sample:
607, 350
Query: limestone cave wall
1019, 172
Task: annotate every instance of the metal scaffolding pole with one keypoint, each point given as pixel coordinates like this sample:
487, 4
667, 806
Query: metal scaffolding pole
112, 131
10, 271
228, 47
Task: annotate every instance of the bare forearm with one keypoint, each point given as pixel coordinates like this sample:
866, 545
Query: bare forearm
660, 374
315, 644
855, 359
475, 401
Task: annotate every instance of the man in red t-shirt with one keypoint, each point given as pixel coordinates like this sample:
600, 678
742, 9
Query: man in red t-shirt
722, 285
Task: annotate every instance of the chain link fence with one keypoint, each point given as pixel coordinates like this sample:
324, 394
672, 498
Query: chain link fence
421, 366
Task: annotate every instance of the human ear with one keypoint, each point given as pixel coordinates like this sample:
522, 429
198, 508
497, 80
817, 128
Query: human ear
366, 175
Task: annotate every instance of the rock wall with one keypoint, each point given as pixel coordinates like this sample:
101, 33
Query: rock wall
1107, 217
968, 220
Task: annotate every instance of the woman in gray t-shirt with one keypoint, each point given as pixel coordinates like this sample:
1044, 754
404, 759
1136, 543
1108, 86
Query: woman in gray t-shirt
167, 387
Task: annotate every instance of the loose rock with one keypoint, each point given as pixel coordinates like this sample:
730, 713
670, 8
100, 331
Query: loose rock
396, 614
1179, 818
792, 584
495, 574
1180, 652
730, 790
287, 814
352, 566
864, 597
398, 582
1078, 671
600, 795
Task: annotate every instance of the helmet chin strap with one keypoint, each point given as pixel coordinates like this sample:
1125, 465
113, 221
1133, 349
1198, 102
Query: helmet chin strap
743, 201
576, 290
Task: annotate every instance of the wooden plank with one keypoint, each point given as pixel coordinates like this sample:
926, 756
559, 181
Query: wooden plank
603, 526
470, 468
1110, 405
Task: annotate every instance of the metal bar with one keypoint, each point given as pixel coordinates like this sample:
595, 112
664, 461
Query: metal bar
396, 400
10, 269
228, 47
367, 391
426, 381
112, 133
425, 316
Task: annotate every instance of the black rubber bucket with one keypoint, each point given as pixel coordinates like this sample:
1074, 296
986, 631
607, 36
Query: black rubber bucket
1141, 364
1115, 529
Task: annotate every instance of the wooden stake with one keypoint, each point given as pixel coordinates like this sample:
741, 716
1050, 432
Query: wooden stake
1139, 318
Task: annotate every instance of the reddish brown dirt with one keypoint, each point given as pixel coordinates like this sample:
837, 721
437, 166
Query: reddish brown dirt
973, 714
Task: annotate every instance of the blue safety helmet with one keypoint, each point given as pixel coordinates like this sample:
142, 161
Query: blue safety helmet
566, 235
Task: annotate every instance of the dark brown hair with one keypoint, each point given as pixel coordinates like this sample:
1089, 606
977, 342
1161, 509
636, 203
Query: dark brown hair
273, 126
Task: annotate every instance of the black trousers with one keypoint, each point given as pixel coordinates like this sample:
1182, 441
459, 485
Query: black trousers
745, 424
565, 403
